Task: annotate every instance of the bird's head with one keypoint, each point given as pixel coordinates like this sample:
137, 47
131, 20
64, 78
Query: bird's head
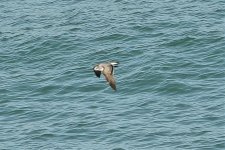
98, 68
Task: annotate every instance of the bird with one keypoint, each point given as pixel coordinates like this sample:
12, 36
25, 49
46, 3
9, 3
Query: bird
107, 69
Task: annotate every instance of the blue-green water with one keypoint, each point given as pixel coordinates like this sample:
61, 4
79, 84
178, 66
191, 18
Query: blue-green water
170, 81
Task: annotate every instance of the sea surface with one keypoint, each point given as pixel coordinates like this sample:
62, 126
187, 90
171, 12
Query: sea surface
170, 79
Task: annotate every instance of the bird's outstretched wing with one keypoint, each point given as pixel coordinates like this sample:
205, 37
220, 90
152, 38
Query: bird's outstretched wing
110, 79
108, 73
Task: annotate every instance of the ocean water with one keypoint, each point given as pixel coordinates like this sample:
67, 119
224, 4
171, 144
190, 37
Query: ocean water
170, 80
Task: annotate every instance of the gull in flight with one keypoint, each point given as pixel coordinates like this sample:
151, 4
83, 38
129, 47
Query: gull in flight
107, 69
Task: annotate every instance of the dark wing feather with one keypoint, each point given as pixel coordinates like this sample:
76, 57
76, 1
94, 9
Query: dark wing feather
112, 69
97, 73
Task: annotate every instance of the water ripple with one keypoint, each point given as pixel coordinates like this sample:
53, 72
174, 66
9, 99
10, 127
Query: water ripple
170, 78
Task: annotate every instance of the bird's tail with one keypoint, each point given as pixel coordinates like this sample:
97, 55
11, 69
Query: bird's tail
114, 63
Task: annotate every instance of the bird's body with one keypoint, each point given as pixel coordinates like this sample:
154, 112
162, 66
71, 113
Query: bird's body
107, 69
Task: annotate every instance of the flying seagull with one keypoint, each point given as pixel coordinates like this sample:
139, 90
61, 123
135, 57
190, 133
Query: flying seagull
107, 69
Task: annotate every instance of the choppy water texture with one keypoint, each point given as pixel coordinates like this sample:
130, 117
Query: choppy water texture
171, 78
